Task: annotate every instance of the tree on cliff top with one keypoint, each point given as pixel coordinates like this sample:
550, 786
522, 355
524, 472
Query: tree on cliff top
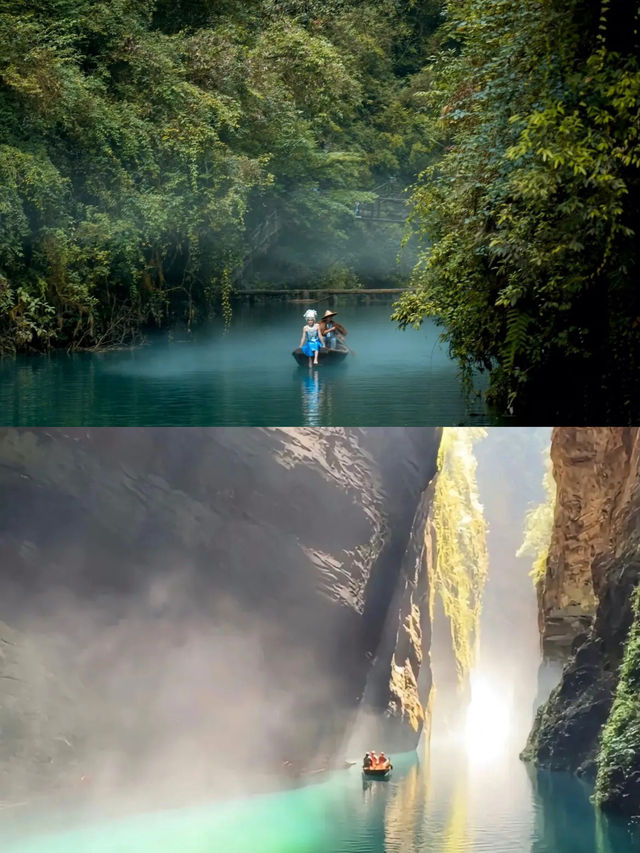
530, 217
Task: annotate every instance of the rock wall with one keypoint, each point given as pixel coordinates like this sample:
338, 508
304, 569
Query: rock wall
593, 469
225, 592
594, 567
400, 681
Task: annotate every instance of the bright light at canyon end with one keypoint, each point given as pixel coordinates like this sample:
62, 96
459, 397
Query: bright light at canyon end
488, 720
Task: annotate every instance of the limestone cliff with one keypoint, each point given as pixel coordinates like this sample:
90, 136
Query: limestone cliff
592, 571
401, 679
594, 473
222, 591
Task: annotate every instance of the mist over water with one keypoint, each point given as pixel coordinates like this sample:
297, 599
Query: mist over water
169, 637
463, 791
246, 376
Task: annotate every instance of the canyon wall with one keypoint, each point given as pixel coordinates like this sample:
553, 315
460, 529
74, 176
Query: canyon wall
586, 608
595, 476
175, 595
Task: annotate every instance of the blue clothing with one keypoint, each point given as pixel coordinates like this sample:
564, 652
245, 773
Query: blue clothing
330, 337
312, 343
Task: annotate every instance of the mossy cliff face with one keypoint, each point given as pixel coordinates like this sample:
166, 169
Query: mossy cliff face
460, 570
268, 574
593, 567
618, 778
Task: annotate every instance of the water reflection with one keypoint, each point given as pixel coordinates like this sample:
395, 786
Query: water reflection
401, 826
436, 802
311, 406
246, 377
441, 804
423, 812
565, 818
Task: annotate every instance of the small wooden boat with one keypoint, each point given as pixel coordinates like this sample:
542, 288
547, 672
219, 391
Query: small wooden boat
325, 356
377, 772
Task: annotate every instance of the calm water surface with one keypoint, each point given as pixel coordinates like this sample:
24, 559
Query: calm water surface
246, 377
447, 802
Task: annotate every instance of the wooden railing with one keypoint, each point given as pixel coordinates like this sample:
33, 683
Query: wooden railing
390, 205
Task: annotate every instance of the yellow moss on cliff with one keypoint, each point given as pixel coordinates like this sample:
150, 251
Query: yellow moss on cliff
403, 688
538, 526
462, 559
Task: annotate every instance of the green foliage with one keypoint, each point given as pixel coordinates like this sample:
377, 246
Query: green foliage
143, 141
620, 744
538, 525
462, 557
529, 216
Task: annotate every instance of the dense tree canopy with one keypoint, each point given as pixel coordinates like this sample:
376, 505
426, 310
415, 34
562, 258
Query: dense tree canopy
143, 142
531, 213
148, 147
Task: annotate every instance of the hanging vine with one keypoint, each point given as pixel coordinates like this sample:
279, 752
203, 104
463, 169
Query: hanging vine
226, 289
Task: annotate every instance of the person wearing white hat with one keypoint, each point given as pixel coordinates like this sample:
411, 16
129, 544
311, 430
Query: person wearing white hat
312, 339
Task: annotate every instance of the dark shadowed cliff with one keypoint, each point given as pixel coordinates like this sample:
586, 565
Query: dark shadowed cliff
175, 595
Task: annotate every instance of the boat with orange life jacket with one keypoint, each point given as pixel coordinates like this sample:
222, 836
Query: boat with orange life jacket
377, 766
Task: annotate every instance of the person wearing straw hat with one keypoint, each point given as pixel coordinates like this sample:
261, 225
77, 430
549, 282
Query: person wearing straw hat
330, 330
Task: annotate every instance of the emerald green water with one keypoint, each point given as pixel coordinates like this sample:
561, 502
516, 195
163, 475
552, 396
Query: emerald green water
246, 376
445, 802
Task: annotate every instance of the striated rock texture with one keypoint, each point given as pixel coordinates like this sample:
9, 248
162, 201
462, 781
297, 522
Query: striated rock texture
401, 679
601, 542
39, 712
198, 593
594, 472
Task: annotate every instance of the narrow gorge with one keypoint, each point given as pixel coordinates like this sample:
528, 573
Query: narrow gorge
251, 582
277, 601
588, 614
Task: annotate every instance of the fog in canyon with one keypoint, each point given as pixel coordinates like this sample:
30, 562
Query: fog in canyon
184, 611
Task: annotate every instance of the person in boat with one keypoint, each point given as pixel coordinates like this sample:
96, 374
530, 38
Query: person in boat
367, 762
312, 339
374, 760
330, 330
383, 762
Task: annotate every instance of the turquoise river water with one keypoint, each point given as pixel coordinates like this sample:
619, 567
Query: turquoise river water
246, 376
448, 801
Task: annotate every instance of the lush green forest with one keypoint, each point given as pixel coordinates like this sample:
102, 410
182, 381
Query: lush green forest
531, 215
146, 145
149, 148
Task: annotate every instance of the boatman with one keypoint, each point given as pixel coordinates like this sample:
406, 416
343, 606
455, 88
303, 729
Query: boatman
330, 330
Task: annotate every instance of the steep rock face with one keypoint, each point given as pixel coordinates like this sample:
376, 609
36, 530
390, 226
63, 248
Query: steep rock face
221, 591
39, 711
400, 683
602, 542
593, 469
